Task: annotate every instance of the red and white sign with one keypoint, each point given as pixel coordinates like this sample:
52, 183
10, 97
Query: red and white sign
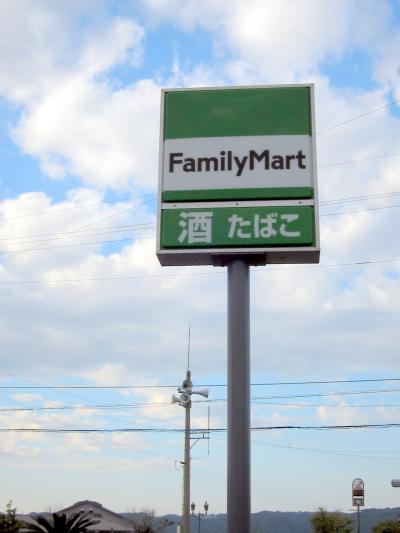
358, 492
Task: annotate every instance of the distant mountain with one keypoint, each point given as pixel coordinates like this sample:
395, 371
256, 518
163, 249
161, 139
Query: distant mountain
279, 522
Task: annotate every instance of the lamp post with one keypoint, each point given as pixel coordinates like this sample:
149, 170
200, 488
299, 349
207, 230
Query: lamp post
199, 514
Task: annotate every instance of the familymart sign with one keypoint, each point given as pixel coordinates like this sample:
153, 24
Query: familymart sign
237, 175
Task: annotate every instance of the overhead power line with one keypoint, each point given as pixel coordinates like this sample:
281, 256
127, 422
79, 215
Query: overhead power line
194, 274
45, 248
359, 198
11, 253
328, 394
199, 431
312, 395
324, 382
263, 384
127, 227
351, 199
329, 405
85, 407
80, 228
77, 234
351, 161
359, 210
357, 117
118, 406
387, 456
85, 232
74, 207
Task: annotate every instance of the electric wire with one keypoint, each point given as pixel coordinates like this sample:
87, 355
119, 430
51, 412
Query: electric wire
359, 198
81, 206
158, 386
103, 437
66, 234
194, 274
45, 248
127, 239
342, 453
362, 160
78, 234
310, 395
80, 228
118, 406
357, 117
70, 394
359, 211
361, 454
140, 226
329, 405
31, 239
85, 407
201, 431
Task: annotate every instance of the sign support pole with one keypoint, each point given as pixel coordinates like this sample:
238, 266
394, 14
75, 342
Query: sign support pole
239, 500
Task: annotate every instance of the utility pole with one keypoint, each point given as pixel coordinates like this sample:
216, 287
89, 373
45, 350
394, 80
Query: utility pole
184, 400
187, 404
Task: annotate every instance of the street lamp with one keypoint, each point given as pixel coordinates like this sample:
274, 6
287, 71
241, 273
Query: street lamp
199, 514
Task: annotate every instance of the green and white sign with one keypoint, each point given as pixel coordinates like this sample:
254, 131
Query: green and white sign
237, 144
237, 170
237, 226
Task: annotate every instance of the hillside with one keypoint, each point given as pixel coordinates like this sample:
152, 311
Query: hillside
279, 522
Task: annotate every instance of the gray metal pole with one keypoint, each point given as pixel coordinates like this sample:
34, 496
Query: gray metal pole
239, 500
358, 519
186, 473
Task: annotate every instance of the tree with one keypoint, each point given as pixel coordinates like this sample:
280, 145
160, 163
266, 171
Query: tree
60, 523
388, 526
8, 520
324, 522
147, 522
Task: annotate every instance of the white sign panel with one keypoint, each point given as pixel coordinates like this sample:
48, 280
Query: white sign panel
237, 162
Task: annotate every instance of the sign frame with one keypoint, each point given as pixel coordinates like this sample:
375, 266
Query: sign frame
357, 492
254, 255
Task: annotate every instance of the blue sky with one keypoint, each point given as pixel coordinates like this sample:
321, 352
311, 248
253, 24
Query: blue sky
85, 302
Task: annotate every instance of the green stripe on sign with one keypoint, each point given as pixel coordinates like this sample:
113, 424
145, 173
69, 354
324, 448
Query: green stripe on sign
235, 112
270, 193
237, 227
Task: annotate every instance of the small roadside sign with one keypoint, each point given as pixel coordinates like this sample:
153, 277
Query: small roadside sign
357, 489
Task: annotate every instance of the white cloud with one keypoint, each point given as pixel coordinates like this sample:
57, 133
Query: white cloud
109, 138
41, 235
280, 40
26, 397
74, 119
117, 44
344, 414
